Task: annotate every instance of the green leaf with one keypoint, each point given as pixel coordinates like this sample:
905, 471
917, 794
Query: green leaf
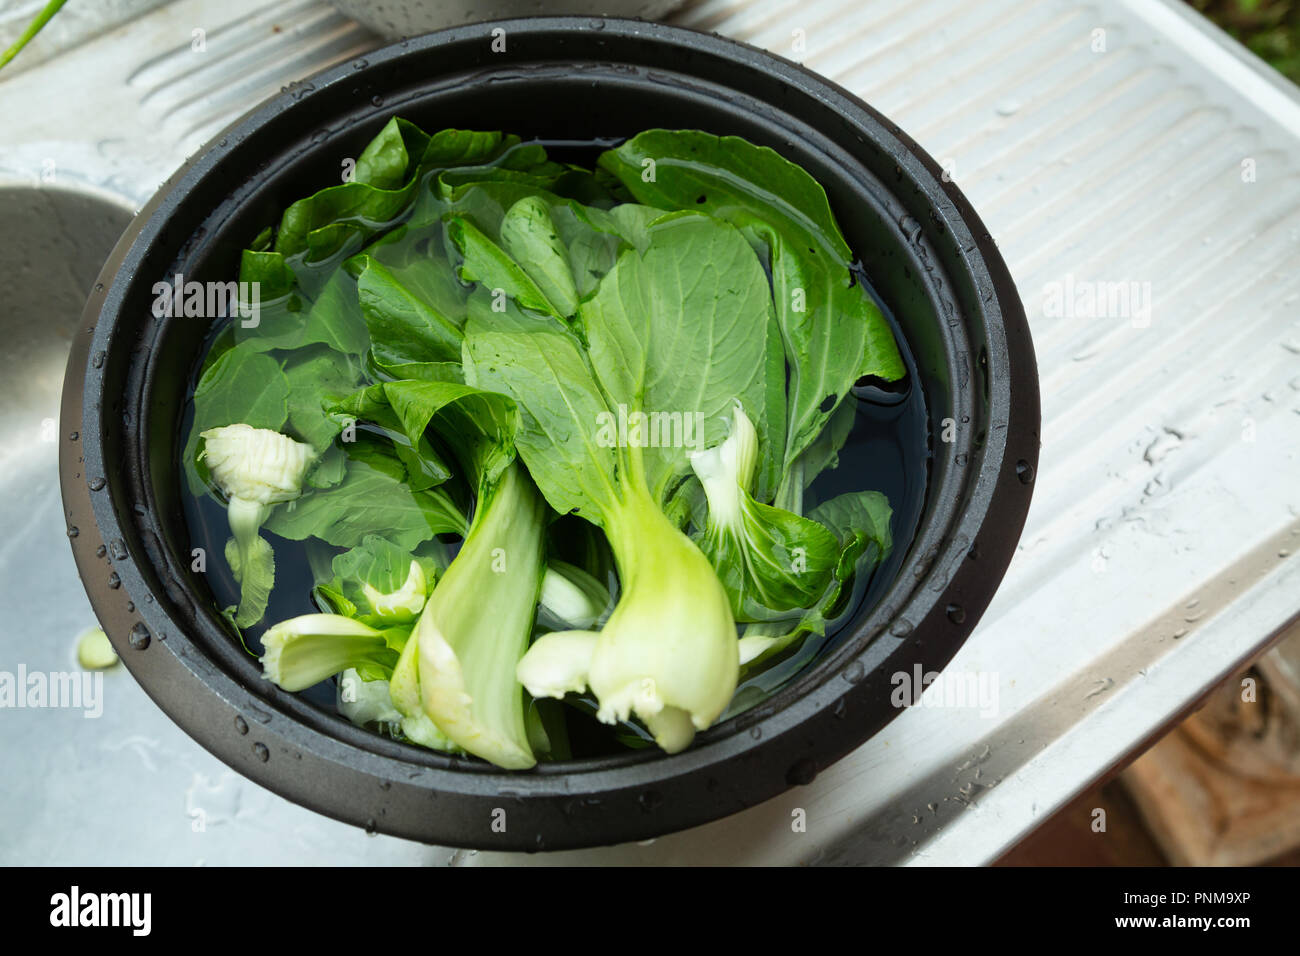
404, 327
385, 183
255, 582
632, 222
385, 569
387, 161
821, 455
489, 264
425, 372
479, 425
318, 378
421, 257
328, 469
367, 501
460, 147
561, 408
530, 236
523, 166
378, 452
824, 452
770, 561
375, 561
268, 269
860, 522
334, 319
492, 313
594, 237
421, 466
679, 334
832, 331
590, 237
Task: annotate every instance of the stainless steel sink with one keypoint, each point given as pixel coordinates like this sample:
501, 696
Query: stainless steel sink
55, 241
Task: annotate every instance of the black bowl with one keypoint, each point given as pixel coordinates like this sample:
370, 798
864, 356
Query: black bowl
928, 256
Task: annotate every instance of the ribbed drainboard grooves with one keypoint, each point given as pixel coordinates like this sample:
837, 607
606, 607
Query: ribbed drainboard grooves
198, 87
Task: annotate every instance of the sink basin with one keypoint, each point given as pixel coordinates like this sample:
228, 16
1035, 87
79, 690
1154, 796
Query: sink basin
44, 281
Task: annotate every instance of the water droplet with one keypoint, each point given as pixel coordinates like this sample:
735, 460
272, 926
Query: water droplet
370, 824
841, 709
114, 582
901, 628
261, 752
73, 531
74, 436
139, 637
756, 733
854, 672
119, 550
241, 725
1156, 486
359, 64
130, 607
101, 551
98, 360
802, 772
1024, 471
650, 800
956, 613
1168, 440
95, 484
376, 100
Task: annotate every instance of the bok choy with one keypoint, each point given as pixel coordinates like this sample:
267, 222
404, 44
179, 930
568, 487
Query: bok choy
543, 438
